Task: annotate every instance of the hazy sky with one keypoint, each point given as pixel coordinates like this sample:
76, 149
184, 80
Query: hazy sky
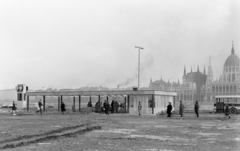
71, 44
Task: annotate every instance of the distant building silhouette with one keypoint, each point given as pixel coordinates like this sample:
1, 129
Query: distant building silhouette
201, 86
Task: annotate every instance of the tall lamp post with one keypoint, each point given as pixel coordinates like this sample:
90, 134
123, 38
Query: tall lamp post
138, 63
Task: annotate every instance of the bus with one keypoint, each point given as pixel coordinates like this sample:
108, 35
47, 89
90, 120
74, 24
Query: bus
233, 102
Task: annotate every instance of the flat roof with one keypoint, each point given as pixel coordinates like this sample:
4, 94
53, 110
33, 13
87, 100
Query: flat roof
101, 93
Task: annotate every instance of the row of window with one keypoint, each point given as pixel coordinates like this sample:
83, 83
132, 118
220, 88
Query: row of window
231, 69
224, 89
230, 78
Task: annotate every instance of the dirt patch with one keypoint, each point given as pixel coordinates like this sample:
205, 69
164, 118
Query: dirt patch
122, 131
39, 135
162, 138
209, 134
49, 137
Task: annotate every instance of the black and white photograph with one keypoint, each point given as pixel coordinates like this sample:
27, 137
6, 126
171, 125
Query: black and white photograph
119, 75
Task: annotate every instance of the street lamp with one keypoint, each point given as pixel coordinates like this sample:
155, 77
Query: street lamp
138, 63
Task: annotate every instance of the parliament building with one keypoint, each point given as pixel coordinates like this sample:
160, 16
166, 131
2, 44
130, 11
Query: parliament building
197, 85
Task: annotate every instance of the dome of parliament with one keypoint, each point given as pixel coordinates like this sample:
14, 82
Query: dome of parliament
232, 60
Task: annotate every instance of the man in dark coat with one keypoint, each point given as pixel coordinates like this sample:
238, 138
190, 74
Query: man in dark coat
63, 109
169, 109
98, 106
139, 108
113, 106
227, 111
181, 108
14, 108
89, 104
40, 106
196, 108
106, 106
117, 106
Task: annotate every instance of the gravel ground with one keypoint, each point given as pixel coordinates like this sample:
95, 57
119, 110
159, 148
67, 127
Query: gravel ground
210, 132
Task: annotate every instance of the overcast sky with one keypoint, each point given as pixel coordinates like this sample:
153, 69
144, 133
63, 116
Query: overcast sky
71, 44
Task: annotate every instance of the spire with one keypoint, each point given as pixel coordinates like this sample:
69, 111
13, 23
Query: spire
210, 61
150, 84
204, 71
198, 68
184, 72
232, 48
210, 73
178, 81
191, 69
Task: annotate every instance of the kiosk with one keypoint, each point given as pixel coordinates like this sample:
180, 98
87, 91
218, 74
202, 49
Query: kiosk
21, 96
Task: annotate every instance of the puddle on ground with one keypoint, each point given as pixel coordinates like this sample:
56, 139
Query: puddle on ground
44, 143
122, 131
209, 124
185, 131
210, 139
209, 134
5, 132
160, 150
237, 139
225, 127
56, 126
162, 138
165, 126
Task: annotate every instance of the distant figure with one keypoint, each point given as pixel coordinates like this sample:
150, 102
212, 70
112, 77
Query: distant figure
181, 109
196, 108
169, 109
113, 106
89, 104
98, 107
227, 111
63, 109
106, 106
14, 108
122, 107
117, 106
40, 106
139, 109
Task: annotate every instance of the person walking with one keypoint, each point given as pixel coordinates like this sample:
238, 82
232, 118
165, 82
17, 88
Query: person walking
98, 107
196, 108
139, 109
181, 108
117, 106
14, 108
106, 106
112, 106
89, 104
169, 109
40, 106
227, 111
63, 109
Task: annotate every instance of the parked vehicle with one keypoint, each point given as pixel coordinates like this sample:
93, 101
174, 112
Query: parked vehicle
233, 102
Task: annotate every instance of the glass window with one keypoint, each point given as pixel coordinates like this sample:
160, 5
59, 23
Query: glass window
19, 96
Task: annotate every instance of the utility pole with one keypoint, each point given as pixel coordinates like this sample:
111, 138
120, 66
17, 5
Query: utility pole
138, 64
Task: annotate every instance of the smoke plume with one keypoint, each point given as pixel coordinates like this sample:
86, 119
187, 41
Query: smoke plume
146, 65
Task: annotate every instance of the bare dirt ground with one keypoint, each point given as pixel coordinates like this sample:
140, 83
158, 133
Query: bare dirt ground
210, 132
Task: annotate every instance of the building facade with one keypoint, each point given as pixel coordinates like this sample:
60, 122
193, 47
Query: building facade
201, 86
